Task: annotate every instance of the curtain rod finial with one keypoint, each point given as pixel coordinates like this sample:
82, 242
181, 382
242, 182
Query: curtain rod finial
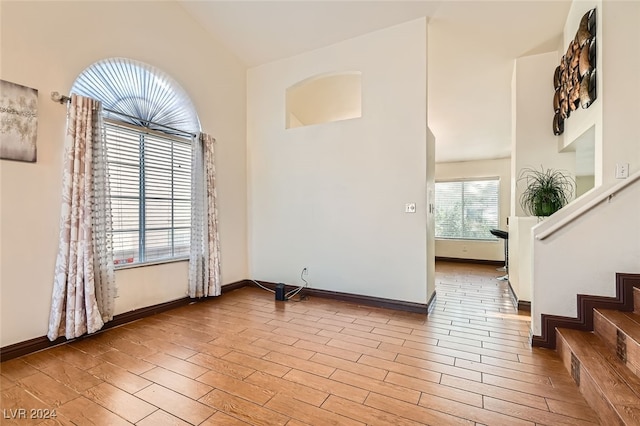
57, 97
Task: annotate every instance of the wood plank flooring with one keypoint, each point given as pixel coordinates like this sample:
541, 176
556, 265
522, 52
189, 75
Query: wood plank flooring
246, 359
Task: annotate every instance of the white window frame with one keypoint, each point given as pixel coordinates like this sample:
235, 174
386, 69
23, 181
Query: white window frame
130, 254
462, 237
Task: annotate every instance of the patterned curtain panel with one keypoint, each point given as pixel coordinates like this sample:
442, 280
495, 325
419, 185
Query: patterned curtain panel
204, 259
102, 221
84, 284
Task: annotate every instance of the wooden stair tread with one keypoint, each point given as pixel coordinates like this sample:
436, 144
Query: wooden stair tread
616, 382
627, 322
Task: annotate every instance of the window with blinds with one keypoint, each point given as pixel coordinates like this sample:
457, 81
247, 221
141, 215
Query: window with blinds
150, 180
467, 209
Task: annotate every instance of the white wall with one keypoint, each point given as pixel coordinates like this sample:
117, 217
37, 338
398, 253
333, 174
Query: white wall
620, 51
582, 120
331, 197
584, 184
520, 256
41, 48
584, 257
534, 144
430, 212
480, 250
615, 111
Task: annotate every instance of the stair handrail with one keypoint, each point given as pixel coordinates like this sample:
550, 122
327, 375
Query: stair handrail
605, 195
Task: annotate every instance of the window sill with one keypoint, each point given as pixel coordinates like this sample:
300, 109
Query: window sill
152, 263
493, 240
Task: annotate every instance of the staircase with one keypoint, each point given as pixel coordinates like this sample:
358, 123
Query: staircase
605, 362
600, 345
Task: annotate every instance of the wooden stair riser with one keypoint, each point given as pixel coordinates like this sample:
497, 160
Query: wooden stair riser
586, 385
626, 347
627, 296
599, 377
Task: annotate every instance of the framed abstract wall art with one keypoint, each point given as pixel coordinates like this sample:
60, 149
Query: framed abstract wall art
18, 122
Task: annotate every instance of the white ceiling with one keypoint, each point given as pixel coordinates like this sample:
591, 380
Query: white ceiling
472, 47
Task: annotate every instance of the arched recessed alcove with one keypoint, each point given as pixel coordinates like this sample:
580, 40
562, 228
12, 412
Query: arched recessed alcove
324, 98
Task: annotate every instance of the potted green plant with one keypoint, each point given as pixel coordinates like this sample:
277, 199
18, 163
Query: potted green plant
546, 191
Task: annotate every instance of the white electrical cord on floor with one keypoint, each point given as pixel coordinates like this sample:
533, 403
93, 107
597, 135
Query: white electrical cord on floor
262, 287
290, 294
296, 291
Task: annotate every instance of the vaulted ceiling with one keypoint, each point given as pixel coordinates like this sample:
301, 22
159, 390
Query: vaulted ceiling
472, 48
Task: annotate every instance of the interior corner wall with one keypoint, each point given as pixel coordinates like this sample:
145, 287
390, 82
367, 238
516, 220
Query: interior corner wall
581, 120
331, 197
46, 45
620, 79
431, 216
535, 144
469, 249
616, 108
514, 116
583, 257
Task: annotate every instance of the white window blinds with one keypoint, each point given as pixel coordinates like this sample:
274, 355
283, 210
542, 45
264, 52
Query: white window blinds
150, 180
467, 209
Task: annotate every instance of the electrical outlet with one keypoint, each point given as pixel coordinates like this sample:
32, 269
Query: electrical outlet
622, 170
305, 271
410, 208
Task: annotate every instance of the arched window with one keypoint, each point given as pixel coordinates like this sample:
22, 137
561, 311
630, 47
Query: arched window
149, 123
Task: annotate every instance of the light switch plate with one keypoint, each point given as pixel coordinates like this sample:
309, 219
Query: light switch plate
410, 208
622, 170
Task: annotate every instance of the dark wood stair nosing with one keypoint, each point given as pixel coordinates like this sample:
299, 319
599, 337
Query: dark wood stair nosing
622, 301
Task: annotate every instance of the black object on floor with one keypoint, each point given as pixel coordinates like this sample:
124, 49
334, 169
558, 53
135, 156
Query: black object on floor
505, 236
280, 292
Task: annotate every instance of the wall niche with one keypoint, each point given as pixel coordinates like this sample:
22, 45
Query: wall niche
324, 98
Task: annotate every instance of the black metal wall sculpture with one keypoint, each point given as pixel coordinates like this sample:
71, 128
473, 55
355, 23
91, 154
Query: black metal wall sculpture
575, 78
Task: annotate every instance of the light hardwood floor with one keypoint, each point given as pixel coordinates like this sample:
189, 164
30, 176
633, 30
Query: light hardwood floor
244, 358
